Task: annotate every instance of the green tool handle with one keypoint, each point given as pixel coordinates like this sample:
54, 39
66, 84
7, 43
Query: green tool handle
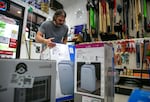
145, 15
145, 9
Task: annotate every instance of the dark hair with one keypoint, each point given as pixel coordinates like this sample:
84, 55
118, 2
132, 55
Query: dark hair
59, 12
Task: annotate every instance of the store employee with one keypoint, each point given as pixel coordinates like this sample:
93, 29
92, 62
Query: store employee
55, 31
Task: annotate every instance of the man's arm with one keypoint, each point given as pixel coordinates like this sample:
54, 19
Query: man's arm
65, 37
39, 38
65, 40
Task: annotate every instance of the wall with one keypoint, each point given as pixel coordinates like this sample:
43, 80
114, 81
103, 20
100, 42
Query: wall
72, 7
50, 15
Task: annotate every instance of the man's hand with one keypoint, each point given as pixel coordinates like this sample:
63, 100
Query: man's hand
49, 42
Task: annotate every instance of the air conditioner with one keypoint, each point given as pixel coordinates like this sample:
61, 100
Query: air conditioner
54, 4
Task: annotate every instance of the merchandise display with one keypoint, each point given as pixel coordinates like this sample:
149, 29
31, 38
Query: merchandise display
107, 51
93, 72
65, 67
27, 80
131, 61
115, 19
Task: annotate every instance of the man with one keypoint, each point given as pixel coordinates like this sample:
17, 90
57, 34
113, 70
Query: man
55, 31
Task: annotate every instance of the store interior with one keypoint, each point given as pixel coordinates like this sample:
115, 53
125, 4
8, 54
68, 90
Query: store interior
106, 58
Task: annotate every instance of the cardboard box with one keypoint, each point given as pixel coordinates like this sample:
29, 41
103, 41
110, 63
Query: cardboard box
94, 72
59, 53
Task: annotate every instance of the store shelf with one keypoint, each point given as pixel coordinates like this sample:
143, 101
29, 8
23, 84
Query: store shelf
131, 87
146, 87
125, 87
133, 69
131, 75
126, 76
119, 68
121, 89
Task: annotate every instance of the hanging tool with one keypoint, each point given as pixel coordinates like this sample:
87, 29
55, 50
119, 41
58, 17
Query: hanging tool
145, 16
124, 19
104, 23
100, 18
114, 13
118, 25
131, 6
138, 54
108, 17
146, 25
142, 19
148, 17
119, 9
127, 18
139, 7
111, 7
92, 8
88, 6
95, 34
136, 18
131, 20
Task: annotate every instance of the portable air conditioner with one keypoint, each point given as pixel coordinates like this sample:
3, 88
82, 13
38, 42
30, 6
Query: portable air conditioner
88, 77
27, 80
66, 76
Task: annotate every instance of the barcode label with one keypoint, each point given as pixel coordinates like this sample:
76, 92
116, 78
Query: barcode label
90, 99
21, 81
27, 81
14, 78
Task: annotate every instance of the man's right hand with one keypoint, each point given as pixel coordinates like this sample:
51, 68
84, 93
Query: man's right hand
50, 43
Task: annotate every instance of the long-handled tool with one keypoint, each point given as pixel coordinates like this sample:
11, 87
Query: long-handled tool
132, 22
108, 17
111, 7
100, 18
146, 25
136, 18
148, 17
145, 16
118, 25
96, 6
124, 19
104, 23
88, 6
114, 13
127, 18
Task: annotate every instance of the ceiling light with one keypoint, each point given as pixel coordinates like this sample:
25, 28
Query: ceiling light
19, 12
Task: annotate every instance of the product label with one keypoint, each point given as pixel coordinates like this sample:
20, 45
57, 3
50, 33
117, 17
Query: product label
90, 99
21, 81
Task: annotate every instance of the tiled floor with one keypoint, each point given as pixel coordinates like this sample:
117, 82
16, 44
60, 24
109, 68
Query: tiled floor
121, 98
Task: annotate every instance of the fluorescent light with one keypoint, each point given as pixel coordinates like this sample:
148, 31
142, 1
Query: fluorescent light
19, 12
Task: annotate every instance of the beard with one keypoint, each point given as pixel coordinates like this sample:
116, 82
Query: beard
57, 24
